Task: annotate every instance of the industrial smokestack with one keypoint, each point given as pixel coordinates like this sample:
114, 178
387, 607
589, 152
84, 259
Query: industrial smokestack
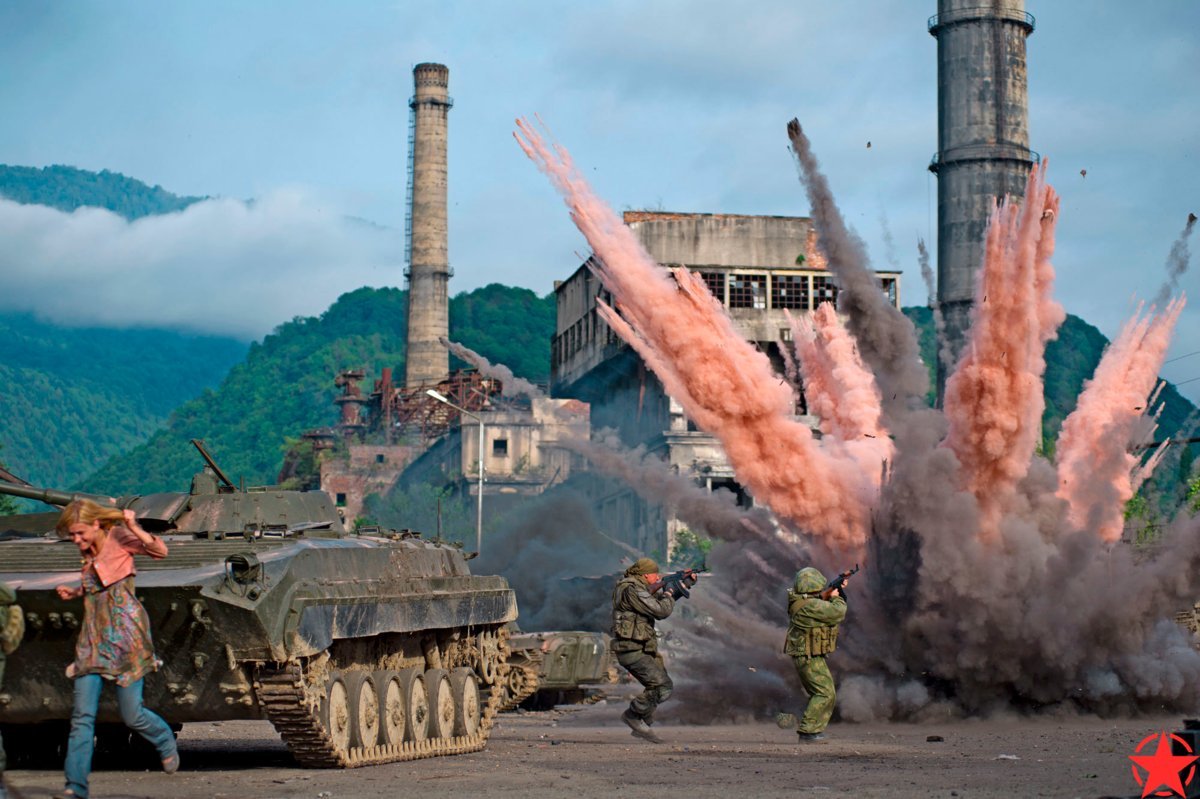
428, 258
983, 142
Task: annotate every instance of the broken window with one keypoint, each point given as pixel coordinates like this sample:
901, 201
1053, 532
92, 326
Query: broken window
340, 499
379, 458
748, 291
716, 284
889, 286
824, 290
789, 291
500, 448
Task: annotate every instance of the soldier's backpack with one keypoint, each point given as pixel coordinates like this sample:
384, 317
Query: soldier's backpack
12, 628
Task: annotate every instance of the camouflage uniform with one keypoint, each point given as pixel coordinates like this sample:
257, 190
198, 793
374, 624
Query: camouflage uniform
811, 635
634, 642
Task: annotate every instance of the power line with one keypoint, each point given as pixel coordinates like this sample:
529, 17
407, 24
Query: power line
1181, 357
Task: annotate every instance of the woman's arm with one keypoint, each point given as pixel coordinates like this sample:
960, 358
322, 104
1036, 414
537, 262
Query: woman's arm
67, 592
151, 545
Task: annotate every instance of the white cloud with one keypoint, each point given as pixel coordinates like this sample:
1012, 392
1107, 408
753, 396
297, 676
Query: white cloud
220, 266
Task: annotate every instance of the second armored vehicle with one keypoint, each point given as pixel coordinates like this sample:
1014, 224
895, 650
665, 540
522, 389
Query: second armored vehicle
550, 668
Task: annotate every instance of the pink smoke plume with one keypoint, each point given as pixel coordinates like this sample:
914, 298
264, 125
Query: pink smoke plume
993, 400
723, 382
839, 388
1095, 470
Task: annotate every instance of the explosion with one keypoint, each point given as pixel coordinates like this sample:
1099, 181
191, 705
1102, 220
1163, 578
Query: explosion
997, 579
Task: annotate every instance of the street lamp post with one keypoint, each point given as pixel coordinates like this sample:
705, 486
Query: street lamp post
479, 498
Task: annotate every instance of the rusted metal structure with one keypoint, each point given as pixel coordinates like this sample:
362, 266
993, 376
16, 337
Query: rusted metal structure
390, 414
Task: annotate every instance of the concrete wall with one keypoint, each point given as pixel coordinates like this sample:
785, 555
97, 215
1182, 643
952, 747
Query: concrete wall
429, 268
983, 138
521, 455
721, 239
368, 469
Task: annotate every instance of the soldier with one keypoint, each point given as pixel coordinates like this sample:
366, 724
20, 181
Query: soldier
812, 634
634, 643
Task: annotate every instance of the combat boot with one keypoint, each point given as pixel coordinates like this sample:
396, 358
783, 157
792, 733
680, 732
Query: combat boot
810, 737
640, 729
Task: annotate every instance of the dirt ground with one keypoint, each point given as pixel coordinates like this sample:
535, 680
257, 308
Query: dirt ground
586, 752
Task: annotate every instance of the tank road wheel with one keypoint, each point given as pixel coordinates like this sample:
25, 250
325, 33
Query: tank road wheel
335, 711
364, 708
416, 704
465, 691
441, 703
390, 699
522, 683
489, 656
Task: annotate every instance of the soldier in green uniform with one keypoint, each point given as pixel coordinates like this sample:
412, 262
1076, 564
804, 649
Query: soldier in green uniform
812, 634
635, 644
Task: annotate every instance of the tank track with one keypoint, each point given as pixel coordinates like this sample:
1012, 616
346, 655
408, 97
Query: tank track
521, 682
288, 706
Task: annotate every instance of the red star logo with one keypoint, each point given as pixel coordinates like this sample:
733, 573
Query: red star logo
1162, 767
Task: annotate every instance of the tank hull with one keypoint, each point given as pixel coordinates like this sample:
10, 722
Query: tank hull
234, 618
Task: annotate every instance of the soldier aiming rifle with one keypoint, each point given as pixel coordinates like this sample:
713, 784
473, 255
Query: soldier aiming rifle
816, 607
641, 597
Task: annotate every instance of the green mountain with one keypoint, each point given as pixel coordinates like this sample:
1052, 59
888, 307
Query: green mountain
67, 188
285, 384
75, 397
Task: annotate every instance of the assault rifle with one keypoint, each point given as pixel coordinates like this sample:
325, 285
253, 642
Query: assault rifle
838, 584
677, 583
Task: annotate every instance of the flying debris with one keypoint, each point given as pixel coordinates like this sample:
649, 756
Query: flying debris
868, 145
1083, 173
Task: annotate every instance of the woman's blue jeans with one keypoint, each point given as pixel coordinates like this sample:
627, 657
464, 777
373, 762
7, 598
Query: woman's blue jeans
83, 727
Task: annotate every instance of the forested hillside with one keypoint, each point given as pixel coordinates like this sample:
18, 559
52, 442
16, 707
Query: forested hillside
74, 397
1070, 360
285, 385
67, 188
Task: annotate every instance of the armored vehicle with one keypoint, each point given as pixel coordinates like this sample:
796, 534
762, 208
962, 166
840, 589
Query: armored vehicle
360, 648
550, 668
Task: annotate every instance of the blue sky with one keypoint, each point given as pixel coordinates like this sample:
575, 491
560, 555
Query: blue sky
302, 106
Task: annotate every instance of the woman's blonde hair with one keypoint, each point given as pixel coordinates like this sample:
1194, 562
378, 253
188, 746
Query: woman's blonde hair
84, 511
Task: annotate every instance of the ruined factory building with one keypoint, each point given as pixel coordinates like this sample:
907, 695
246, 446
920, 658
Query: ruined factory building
758, 267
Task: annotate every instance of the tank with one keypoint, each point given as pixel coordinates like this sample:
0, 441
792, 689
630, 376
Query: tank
360, 648
552, 668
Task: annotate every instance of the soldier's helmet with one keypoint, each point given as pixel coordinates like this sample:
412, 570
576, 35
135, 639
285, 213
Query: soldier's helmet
809, 580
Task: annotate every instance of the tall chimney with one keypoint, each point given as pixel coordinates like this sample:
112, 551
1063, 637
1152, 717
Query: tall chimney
983, 140
428, 259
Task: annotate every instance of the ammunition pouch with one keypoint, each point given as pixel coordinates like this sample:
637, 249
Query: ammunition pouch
810, 641
822, 640
630, 626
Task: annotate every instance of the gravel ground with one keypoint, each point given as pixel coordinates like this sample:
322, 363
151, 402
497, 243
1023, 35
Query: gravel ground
586, 752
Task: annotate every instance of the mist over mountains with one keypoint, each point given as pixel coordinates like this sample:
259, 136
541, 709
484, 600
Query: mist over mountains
84, 248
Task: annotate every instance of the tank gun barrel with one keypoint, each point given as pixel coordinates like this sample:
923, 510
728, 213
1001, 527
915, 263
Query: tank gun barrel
51, 496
